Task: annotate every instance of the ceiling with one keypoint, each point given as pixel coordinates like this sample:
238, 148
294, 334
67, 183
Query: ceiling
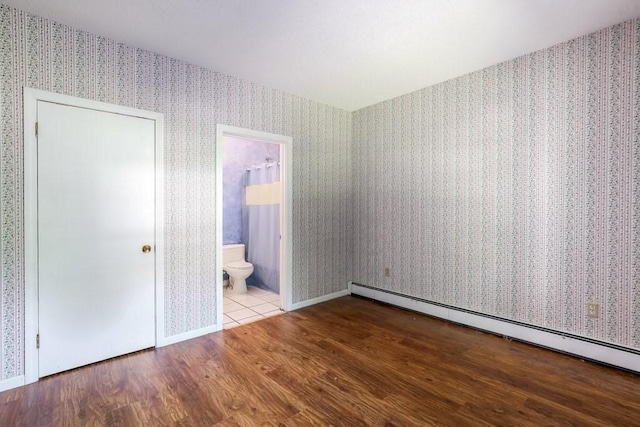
346, 53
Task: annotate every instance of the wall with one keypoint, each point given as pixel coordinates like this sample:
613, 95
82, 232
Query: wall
38, 53
238, 155
512, 191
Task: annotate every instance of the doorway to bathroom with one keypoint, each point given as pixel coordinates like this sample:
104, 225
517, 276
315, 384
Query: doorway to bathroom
253, 225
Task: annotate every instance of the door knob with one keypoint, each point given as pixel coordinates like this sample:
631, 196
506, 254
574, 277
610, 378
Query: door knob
146, 249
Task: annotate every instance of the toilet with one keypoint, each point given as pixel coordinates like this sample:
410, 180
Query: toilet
237, 268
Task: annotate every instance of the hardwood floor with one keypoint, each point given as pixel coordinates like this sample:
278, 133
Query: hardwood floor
347, 362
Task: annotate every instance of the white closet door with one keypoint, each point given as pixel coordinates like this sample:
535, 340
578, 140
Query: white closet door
96, 211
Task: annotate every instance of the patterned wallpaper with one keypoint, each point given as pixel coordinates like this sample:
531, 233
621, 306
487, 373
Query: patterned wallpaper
239, 154
38, 53
512, 191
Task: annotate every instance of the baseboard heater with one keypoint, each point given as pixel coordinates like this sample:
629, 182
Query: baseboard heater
585, 348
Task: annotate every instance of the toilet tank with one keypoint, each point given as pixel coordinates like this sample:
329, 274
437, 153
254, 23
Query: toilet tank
232, 253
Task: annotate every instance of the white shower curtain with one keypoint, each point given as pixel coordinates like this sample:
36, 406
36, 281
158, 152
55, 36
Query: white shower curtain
261, 224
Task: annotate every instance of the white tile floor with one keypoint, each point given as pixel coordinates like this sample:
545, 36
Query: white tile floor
256, 304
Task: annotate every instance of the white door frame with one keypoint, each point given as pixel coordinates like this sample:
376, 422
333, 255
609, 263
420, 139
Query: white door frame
286, 217
31, 98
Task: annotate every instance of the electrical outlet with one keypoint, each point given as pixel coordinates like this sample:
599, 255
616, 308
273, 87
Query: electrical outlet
387, 272
593, 310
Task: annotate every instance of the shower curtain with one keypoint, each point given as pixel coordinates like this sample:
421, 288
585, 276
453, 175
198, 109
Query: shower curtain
261, 224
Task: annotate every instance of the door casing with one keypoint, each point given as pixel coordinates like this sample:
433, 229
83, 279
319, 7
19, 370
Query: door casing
286, 210
31, 98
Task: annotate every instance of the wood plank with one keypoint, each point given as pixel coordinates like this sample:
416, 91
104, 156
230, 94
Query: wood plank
346, 362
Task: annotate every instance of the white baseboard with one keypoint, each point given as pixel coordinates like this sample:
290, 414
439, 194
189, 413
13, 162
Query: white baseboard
556, 341
12, 383
307, 303
188, 335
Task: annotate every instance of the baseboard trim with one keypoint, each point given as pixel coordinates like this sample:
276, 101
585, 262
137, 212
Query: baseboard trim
188, 335
10, 383
583, 348
318, 300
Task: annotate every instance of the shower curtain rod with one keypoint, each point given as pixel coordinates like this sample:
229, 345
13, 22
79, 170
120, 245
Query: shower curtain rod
267, 165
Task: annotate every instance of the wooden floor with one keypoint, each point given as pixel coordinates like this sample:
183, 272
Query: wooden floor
346, 362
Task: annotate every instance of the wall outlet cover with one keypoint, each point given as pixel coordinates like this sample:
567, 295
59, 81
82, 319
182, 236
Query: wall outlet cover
593, 310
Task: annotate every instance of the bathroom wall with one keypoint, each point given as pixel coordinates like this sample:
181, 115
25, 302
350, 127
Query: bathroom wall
42, 54
512, 191
239, 154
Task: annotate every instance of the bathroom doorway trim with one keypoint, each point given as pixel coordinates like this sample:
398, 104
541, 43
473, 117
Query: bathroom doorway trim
286, 217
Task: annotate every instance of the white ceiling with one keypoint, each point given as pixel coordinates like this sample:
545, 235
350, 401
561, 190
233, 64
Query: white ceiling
345, 53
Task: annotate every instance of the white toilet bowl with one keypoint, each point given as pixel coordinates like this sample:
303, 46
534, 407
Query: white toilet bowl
238, 272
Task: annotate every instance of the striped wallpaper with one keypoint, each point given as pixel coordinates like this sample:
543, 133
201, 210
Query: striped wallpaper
512, 191
41, 54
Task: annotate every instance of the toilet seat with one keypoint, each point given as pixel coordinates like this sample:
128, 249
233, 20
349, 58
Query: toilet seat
240, 264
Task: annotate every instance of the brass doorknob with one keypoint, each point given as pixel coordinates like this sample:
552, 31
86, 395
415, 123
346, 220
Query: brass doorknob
146, 249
